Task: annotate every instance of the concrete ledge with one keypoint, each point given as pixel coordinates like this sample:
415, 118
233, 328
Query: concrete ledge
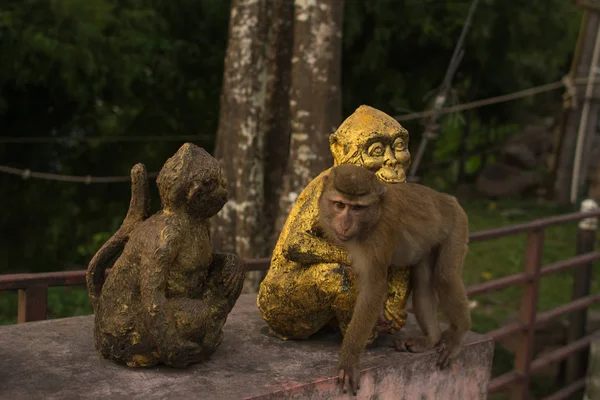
56, 360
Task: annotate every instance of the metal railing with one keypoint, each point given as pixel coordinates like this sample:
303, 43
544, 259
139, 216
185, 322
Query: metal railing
518, 379
33, 297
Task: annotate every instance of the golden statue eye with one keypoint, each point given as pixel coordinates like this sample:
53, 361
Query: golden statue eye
399, 145
376, 150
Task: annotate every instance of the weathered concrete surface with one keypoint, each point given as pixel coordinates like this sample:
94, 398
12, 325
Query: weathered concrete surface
56, 360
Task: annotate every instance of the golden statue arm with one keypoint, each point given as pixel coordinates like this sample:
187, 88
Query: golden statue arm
307, 248
301, 237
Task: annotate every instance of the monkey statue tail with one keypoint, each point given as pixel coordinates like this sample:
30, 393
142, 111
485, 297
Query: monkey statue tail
139, 209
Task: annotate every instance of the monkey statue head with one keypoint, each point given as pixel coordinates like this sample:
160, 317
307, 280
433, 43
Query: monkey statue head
374, 140
191, 181
349, 205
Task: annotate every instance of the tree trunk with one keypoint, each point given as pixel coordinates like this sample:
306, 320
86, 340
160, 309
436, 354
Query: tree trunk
241, 133
277, 123
279, 68
315, 97
253, 135
279, 104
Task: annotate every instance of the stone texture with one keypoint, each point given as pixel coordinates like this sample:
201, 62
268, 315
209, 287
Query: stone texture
56, 360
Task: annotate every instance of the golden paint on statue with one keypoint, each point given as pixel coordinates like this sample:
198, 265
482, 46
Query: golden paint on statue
309, 283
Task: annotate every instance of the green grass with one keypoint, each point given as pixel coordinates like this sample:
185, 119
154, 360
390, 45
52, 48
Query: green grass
485, 261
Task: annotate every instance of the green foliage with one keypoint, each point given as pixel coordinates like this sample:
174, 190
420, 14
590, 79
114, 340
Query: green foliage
138, 67
396, 54
97, 68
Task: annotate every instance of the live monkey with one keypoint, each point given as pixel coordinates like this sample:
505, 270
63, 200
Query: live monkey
398, 225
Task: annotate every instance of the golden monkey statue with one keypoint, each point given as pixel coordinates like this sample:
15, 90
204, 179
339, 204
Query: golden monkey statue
309, 284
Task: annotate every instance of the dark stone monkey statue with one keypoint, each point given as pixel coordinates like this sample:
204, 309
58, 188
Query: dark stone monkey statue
168, 295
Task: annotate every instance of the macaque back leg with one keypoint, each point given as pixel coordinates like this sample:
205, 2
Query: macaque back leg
425, 309
452, 293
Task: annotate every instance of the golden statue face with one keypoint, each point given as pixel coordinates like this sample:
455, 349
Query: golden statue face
374, 140
387, 157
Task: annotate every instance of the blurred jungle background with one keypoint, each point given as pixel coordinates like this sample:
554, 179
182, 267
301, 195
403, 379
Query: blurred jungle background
89, 88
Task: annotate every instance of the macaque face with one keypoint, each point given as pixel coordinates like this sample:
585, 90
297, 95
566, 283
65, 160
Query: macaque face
349, 205
388, 157
349, 219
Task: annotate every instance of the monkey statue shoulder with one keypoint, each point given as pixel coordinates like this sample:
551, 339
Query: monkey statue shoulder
378, 225
309, 284
168, 295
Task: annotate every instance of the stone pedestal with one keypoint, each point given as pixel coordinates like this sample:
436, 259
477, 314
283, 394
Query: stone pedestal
56, 360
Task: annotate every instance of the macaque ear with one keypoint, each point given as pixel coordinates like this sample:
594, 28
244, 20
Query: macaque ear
381, 190
325, 178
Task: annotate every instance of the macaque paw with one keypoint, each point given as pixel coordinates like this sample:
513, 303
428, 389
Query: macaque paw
417, 344
448, 349
349, 377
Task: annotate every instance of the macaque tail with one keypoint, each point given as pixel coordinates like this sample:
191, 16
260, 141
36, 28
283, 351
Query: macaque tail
139, 209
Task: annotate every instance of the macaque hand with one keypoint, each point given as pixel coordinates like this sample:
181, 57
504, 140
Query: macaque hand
349, 377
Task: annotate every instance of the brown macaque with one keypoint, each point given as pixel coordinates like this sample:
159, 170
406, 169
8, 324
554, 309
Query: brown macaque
398, 225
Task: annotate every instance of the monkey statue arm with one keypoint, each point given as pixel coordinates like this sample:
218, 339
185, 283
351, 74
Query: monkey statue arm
228, 270
308, 248
139, 208
304, 241
160, 321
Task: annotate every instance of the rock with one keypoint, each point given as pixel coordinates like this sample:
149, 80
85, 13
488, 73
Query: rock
502, 180
519, 155
530, 147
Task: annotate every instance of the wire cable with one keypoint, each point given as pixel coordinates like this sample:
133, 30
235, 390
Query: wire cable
27, 173
112, 139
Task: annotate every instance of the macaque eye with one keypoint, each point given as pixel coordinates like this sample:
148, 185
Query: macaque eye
339, 205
